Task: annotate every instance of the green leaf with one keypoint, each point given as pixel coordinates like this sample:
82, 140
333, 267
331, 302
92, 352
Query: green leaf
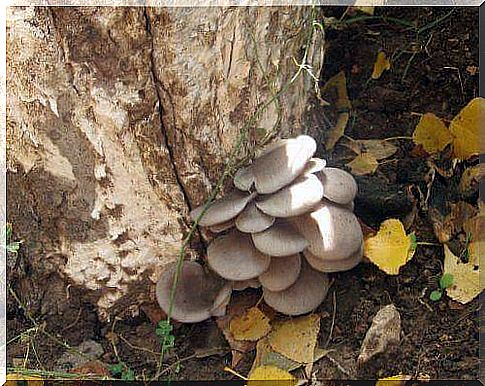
446, 280
8, 231
435, 295
128, 375
414, 241
117, 368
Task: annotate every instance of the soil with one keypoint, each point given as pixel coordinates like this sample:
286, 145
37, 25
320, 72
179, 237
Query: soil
433, 71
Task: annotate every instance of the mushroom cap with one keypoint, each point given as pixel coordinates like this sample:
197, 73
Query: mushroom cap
252, 220
243, 284
280, 165
282, 239
333, 232
282, 273
244, 178
314, 165
195, 294
306, 294
334, 265
293, 200
338, 185
221, 227
223, 209
234, 257
222, 300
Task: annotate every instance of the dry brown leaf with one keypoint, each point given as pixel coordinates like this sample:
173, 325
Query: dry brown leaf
363, 164
252, 325
446, 227
470, 179
381, 64
296, 338
465, 128
379, 148
466, 278
432, 133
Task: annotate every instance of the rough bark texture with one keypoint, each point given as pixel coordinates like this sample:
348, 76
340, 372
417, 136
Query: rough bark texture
120, 120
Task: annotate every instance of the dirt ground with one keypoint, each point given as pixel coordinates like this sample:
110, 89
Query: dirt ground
432, 71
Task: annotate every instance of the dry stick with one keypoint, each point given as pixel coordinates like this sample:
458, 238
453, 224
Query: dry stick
333, 320
227, 169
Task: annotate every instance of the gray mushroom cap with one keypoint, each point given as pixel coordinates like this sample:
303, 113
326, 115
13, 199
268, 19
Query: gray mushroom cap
244, 178
252, 220
282, 273
314, 165
333, 232
334, 265
279, 166
234, 257
223, 226
306, 294
223, 209
295, 199
196, 292
338, 185
243, 284
282, 239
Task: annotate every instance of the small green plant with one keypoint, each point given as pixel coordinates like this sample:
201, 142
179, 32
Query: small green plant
122, 371
446, 281
9, 245
164, 332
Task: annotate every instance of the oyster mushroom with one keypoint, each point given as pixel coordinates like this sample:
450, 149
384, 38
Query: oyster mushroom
198, 293
282, 239
333, 232
252, 220
223, 226
223, 209
295, 199
243, 284
244, 178
282, 273
306, 294
334, 265
234, 257
338, 185
314, 165
281, 164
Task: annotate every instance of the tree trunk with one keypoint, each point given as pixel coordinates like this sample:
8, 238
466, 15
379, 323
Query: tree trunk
122, 119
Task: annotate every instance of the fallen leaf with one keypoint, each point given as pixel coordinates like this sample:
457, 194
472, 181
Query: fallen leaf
384, 332
263, 374
253, 325
390, 248
470, 179
379, 148
472, 70
363, 164
381, 64
94, 367
446, 227
466, 284
296, 338
465, 128
335, 90
432, 133
395, 380
367, 10
475, 229
31, 380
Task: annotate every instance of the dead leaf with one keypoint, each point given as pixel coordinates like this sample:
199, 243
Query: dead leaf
364, 9
470, 179
31, 380
390, 248
363, 164
384, 332
263, 374
446, 227
296, 338
93, 368
381, 64
335, 90
472, 70
395, 380
432, 133
465, 128
253, 325
466, 278
379, 148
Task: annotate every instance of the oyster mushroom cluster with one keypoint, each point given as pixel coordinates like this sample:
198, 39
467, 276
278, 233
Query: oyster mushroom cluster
287, 223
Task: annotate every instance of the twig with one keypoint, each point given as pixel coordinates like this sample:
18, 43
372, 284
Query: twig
333, 320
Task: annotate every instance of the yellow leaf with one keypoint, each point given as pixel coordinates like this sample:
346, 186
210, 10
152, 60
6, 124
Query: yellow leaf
466, 284
367, 10
379, 148
395, 380
465, 128
432, 133
390, 248
252, 325
296, 338
32, 380
382, 64
263, 374
363, 164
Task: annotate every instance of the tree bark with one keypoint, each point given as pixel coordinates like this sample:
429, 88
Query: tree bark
120, 120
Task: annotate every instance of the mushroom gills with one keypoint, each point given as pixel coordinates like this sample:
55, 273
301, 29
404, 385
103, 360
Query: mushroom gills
196, 292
